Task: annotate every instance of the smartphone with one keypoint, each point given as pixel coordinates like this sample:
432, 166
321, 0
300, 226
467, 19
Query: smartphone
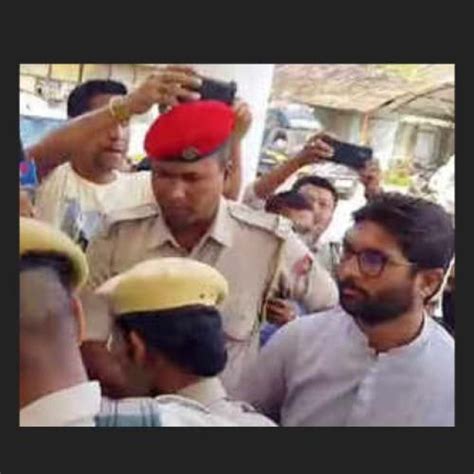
350, 155
212, 89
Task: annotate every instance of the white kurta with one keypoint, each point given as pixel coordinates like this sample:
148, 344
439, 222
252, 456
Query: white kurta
320, 371
74, 406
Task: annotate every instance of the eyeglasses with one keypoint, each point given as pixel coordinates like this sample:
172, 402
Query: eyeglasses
371, 262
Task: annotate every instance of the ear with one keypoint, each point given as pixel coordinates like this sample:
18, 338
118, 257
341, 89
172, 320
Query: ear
430, 283
137, 348
78, 312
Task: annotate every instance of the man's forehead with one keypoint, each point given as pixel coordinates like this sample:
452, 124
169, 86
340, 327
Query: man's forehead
305, 213
368, 234
181, 166
317, 191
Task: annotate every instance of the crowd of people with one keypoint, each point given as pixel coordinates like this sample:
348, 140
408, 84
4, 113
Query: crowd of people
153, 295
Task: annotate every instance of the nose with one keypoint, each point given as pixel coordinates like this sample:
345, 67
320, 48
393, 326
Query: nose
177, 190
118, 132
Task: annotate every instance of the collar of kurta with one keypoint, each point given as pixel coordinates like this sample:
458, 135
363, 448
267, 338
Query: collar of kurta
220, 230
206, 391
358, 336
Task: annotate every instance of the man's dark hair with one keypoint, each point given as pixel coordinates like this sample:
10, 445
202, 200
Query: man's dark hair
79, 99
287, 200
191, 337
59, 264
318, 182
422, 228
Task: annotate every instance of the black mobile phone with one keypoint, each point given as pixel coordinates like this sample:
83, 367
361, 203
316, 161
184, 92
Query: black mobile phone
212, 89
350, 155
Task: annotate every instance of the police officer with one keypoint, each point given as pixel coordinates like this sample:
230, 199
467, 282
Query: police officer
52, 268
52, 393
167, 336
257, 253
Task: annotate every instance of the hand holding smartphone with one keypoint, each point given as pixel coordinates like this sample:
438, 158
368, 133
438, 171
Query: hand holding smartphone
212, 89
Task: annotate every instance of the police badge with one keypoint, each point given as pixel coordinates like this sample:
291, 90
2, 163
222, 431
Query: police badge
190, 154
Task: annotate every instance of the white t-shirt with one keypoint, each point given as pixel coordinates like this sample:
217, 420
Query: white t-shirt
78, 206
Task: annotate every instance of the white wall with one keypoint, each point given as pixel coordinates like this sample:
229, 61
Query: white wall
383, 132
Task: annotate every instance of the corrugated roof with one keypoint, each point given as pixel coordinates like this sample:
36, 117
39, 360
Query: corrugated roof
366, 87
435, 102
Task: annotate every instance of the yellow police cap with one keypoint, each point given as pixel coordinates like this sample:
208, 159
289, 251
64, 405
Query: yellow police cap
39, 237
163, 284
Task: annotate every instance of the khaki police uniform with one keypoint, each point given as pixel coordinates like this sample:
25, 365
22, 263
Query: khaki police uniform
164, 411
156, 287
257, 253
162, 287
213, 396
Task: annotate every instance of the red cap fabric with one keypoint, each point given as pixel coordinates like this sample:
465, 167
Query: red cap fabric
190, 131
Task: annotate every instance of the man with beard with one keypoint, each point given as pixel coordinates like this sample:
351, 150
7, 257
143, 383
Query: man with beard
378, 360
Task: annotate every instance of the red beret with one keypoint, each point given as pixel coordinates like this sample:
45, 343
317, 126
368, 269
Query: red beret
190, 131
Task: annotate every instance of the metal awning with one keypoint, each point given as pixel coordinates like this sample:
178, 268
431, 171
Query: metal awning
423, 90
435, 102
